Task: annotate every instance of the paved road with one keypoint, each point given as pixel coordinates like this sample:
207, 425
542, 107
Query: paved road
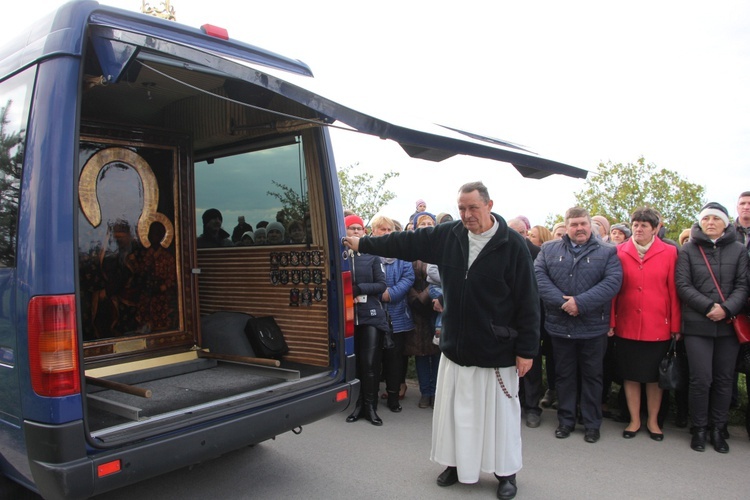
335, 460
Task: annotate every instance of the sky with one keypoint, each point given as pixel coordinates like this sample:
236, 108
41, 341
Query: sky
581, 82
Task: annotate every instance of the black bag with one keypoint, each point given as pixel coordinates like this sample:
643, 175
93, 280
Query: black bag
388, 342
673, 370
266, 338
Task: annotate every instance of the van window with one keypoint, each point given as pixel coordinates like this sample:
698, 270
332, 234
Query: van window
267, 183
14, 113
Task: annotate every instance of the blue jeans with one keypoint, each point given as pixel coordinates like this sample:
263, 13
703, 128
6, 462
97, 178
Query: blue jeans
435, 293
427, 370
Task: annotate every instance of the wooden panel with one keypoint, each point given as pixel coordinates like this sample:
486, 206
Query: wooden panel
239, 279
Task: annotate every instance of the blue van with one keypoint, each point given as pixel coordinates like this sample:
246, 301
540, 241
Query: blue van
172, 284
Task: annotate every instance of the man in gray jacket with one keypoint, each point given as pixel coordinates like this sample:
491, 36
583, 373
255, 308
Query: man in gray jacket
578, 276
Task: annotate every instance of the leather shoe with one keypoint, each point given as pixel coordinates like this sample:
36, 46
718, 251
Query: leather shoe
393, 403
507, 488
591, 435
656, 436
698, 442
533, 420
629, 434
448, 477
563, 431
718, 441
356, 413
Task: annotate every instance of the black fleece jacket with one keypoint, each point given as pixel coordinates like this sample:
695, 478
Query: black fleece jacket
491, 310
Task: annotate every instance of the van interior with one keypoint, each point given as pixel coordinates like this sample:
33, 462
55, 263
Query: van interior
179, 167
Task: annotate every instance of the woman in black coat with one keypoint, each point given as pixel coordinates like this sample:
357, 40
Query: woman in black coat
368, 283
710, 341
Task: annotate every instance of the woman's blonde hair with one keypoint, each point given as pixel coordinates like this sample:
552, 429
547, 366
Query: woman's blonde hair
382, 221
684, 236
544, 233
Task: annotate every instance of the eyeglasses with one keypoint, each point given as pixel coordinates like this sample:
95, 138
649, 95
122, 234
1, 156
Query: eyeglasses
355, 228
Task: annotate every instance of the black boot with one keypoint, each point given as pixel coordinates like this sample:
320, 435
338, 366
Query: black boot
507, 488
698, 443
718, 441
356, 413
724, 431
393, 403
371, 414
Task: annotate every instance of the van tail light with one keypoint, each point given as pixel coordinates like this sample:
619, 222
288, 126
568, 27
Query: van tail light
346, 278
53, 346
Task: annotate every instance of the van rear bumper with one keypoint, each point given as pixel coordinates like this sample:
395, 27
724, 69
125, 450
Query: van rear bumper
69, 472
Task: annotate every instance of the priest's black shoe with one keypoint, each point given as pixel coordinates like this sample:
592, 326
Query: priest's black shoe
507, 488
448, 477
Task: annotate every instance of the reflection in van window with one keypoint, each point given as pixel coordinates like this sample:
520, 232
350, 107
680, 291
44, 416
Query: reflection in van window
260, 194
14, 113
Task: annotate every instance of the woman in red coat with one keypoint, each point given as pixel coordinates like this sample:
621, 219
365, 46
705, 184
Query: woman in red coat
645, 316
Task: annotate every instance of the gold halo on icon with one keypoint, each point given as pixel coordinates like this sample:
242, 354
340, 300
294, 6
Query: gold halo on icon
91, 208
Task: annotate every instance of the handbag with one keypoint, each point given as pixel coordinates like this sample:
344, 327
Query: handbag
740, 322
673, 369
388, 342
266, 338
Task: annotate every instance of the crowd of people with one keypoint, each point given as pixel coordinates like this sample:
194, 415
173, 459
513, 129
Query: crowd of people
594, 301
278, 232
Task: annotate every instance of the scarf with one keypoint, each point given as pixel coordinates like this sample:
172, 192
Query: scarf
643, 249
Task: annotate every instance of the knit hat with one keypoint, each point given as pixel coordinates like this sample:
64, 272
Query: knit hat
419, 215
623, 229
603, 222
353, 219
278, 226
716, 209
444, 217
420, 202
210, 214
250, 234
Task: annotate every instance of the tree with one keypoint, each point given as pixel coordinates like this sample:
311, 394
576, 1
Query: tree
362, 194
11, 161
615, 190
294, 204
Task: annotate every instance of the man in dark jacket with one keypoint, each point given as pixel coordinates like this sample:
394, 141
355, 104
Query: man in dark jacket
578, 276
490, 335
742, 223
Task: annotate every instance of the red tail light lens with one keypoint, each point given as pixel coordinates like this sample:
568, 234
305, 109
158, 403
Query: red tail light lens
215, 31
53, 346
346, 278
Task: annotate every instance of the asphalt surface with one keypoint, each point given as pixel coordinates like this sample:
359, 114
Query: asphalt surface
332, 459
